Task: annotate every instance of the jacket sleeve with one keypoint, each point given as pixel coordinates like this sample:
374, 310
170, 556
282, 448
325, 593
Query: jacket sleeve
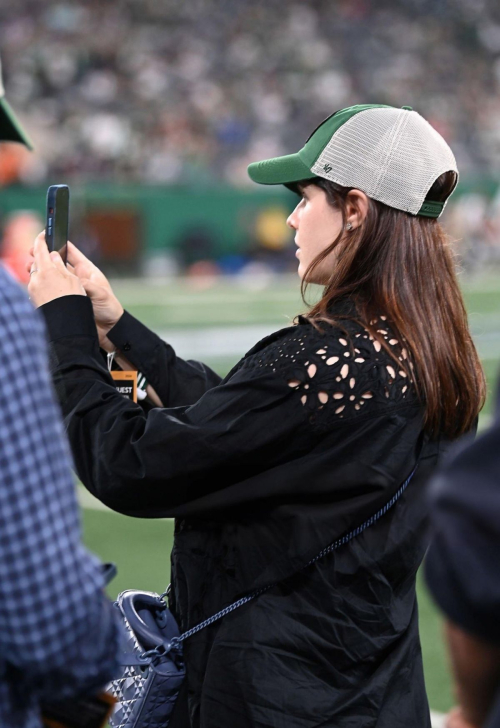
176, 381
58, 634
149, 464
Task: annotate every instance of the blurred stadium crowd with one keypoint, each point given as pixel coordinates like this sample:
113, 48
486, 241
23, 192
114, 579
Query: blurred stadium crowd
162, 91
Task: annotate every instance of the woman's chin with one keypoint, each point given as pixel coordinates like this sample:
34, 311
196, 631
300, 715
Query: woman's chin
301, 272
314, 280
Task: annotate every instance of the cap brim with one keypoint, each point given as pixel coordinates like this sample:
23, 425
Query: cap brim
10, 128
280, 170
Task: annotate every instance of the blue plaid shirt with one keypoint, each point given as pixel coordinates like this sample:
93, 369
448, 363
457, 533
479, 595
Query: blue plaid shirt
58, 633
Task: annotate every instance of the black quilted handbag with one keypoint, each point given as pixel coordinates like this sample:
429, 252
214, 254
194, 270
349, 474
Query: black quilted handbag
153, 667
152, 660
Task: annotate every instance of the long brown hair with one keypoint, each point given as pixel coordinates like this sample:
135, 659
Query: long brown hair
401, 265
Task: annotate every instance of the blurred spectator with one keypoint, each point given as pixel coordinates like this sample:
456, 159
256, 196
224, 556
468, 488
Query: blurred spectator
13, 158
138, 90
17, 239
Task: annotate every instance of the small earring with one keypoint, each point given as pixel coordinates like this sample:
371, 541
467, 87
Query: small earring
348, 226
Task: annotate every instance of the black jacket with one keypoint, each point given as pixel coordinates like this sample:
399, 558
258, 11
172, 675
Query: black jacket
308, 436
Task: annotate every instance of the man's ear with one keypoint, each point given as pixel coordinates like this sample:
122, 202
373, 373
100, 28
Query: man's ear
356, 208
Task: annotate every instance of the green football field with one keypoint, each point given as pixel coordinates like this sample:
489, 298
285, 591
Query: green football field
217, 324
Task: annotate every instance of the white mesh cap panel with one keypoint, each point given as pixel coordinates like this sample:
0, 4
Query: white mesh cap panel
393, 155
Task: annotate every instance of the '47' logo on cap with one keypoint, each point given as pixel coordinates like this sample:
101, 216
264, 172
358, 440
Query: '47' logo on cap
327, 168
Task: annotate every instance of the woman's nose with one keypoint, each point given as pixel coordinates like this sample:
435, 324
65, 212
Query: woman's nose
291, 222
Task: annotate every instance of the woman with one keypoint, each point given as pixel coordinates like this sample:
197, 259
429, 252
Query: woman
310, 434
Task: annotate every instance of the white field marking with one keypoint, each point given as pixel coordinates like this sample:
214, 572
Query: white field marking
280, 281
153, 297
182, 319
437, 719
222, 341
137, 291
219, 341
284, 281
145, 292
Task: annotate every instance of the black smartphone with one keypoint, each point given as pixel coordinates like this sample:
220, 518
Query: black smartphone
57, 220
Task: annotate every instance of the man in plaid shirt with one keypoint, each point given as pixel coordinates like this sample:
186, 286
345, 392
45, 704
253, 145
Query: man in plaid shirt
58, 632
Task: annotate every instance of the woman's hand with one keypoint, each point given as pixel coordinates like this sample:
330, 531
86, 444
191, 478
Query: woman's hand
49, 277
107, 308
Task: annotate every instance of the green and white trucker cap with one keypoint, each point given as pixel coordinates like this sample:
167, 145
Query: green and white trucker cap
392, 155
10, 128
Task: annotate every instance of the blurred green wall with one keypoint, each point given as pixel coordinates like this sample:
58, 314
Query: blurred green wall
165, 213
162, 215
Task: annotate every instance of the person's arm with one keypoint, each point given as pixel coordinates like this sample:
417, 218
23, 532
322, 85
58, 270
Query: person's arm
175, 381
476, 672
189, 460
58, 634
172, 381
147, 464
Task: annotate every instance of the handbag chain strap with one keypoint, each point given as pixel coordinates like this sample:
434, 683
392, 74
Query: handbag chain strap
328, 549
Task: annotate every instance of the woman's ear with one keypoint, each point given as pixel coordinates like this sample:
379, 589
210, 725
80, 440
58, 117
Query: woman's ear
356, 208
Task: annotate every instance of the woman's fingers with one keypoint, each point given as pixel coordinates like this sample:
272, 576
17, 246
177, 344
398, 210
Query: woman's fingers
58, 262
82, 266
107, 308
93, 290
76, 257
41, 253
50, 278
30, 259
29, 263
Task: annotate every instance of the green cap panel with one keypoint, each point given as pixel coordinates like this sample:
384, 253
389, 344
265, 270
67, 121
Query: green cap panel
10, 128
295, 167
280, 170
